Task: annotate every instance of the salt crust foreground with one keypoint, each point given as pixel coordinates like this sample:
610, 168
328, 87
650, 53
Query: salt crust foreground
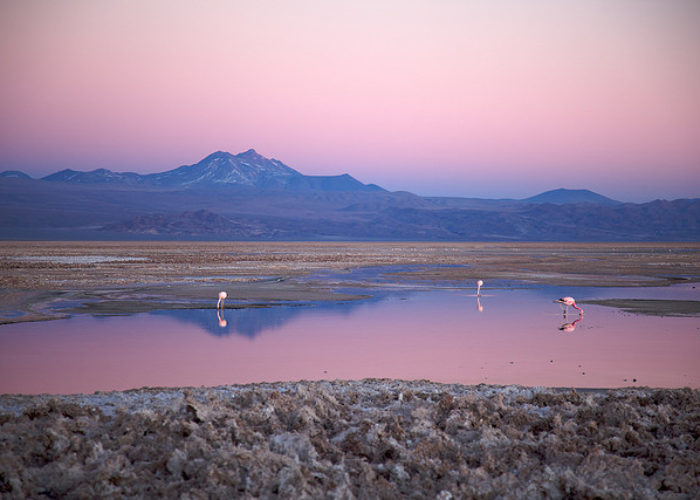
364, 439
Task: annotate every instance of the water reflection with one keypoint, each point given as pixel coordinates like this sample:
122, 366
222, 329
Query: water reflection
435, 335
220, 316
570, 327
248, 322
252, 321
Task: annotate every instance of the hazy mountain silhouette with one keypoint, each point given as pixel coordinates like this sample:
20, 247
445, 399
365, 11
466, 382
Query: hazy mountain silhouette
250, 197
14, 174
99, 176
563, 196
245, 170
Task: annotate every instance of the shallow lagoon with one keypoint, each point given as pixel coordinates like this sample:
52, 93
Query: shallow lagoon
514, 334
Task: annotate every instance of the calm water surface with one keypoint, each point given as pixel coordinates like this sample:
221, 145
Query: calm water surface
510, 336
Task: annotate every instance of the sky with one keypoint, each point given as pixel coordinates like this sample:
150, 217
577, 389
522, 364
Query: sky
492, 98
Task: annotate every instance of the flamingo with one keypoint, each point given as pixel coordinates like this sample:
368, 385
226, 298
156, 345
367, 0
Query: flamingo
569, 301
479, 284
222, 297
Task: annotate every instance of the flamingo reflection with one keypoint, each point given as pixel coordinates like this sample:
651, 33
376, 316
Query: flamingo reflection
220, 317
569, 327
479, 307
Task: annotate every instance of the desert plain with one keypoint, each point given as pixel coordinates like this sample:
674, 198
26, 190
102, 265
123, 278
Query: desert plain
139, 276
339, 439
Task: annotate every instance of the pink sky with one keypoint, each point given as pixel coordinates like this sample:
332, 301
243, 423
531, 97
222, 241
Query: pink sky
473, 98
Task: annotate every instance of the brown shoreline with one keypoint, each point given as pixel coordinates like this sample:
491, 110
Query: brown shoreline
343, 439
652, 307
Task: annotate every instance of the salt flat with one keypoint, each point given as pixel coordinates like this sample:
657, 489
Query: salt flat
341, 439
34, 274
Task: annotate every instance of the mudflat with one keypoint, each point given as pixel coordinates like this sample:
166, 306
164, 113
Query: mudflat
118, 277
61, 265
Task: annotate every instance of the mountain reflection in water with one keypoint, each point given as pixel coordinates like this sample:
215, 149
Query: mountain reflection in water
505, 336
251, 321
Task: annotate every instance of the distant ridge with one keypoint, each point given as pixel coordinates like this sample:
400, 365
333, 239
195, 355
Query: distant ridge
14, 174
563, 196
99, 176
249, 170
246, 196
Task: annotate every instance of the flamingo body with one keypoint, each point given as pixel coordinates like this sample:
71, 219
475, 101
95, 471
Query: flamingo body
479, 284
222, 297
569, 301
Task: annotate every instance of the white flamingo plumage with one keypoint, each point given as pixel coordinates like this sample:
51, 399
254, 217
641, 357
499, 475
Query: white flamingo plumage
222, 297
479, 284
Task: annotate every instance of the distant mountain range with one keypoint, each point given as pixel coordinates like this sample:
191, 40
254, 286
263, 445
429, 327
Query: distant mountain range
245, 170
250, 197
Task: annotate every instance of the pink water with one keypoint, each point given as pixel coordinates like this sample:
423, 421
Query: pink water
439, 335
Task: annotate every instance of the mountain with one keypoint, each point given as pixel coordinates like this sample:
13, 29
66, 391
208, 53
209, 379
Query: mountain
563, 196
655, 221
99, 176
188, 224
250, 197
247, 170
14, 174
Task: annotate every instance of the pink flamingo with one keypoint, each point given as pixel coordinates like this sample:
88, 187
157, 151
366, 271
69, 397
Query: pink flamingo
569, 301
222, 297
479, 284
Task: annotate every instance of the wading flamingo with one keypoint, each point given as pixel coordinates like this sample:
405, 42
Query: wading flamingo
569, 301
479, 284
222, 297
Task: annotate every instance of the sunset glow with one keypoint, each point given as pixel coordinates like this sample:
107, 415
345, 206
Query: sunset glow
489, 99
